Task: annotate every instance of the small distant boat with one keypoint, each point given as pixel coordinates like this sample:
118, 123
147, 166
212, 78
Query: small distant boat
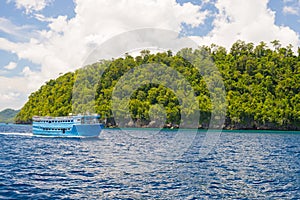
69, 126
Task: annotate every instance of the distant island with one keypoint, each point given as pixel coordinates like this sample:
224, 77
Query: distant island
8, 115
262, 88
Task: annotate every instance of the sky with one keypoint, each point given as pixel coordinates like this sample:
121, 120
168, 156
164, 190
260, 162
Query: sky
41, 39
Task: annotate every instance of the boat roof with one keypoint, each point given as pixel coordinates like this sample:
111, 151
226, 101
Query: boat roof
64, 117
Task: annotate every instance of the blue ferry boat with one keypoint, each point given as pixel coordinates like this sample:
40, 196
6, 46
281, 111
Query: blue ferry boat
69, 126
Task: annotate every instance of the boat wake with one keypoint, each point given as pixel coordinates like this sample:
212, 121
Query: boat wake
17, 134
65, 137
48, 136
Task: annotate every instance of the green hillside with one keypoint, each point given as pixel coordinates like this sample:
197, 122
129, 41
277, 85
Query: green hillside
262, 87
8, 115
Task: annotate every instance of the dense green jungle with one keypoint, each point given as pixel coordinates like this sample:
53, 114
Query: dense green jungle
261, 85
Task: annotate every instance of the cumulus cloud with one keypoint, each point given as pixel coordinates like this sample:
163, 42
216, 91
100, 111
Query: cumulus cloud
251, 21
10, 66
31, 5
66, 43
11, 91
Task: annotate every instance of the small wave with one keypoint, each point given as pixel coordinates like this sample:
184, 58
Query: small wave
48, 136
17, 134
55, 136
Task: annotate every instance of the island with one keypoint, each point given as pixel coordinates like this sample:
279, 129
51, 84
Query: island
262, 86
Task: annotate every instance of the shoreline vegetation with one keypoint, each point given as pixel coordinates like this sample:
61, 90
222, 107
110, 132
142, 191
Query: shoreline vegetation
262, 86
8, 115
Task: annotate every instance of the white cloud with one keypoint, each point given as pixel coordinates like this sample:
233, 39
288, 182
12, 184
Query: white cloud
7, 45
31, 5
292, 7
251, 21
10, 66
66, 44
59, 24
13, 92
26, 71
9, 28
290, 10
10, 96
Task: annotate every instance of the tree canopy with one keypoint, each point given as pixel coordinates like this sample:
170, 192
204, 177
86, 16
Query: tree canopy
262, 87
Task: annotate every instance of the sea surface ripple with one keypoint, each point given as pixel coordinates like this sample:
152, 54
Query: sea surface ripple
242, 165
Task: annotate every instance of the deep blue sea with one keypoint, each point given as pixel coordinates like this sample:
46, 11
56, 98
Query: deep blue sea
141, 164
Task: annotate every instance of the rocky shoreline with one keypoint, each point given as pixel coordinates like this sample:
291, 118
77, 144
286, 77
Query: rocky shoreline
251, 125
226, 126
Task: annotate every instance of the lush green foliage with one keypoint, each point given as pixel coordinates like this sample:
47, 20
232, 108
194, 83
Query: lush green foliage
8, 115
52, 99
262, 87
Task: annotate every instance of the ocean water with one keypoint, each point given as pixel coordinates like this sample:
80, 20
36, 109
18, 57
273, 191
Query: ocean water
136, 164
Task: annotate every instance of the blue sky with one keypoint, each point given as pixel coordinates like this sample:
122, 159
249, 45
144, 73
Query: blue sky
40, 39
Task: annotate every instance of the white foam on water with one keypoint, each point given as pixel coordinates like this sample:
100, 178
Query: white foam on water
17, 134
55, 136
46, 136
